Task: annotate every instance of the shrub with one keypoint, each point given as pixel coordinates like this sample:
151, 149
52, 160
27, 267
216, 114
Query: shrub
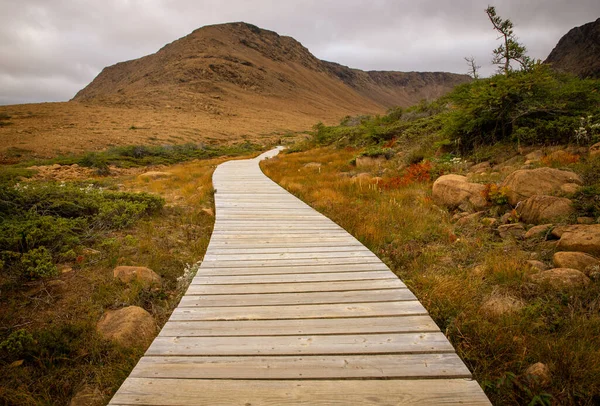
37, 263
538, 106
16, 344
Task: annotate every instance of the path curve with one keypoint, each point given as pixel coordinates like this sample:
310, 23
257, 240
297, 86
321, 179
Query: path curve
288, 308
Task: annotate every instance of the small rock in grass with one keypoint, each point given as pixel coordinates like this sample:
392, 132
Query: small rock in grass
498, 305
511, 230
140, 274
539, 373
538, 231
131, 326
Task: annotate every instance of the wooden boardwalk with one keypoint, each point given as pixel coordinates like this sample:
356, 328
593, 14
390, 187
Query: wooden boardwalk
288, 308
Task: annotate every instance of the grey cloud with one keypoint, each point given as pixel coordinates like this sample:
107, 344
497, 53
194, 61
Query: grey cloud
49, 50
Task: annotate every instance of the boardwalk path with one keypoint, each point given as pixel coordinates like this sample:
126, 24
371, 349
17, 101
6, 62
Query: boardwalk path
288, 308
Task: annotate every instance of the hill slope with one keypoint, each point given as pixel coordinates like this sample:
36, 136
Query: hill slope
223, 68
578, 51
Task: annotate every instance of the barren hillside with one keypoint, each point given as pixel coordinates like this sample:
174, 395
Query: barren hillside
221, 83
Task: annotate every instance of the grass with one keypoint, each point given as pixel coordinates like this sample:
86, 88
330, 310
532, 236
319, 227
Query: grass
49, 347
455, 269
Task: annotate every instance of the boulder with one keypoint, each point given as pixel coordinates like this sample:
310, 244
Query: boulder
595, 150
489, 221
454, 190
541, 208
131, 326
140, 274
152, 175
582, 238
524, 183
511, 230
538, 231
561, 278
575, 260
539, 373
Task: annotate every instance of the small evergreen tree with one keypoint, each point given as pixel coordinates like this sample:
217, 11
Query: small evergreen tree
511, 49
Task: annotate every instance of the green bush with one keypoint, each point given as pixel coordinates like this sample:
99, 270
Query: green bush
16, 344
44, 223
540, 106
37, 263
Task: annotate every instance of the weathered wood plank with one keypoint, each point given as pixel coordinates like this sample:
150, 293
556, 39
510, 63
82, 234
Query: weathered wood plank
297, 287
358, 325
227, 257
218, 392
291, 278
408, 343
412, 366
318, 311
268, 270
268, 299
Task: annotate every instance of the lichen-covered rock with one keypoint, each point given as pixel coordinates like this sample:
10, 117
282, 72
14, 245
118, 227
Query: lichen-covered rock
140, 274
575, 260
88, 396
454, 190
561, 278
131, 326
525, 183
541, 208
582, 238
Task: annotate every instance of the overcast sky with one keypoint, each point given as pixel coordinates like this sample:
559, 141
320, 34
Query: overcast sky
49, 49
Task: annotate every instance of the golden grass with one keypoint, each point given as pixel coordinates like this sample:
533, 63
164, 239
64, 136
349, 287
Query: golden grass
453, 270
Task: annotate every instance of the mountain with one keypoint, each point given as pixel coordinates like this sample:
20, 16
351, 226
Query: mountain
578, 51
227, 68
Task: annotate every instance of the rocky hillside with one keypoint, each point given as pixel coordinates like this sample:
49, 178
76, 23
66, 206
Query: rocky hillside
578, 52
228, 68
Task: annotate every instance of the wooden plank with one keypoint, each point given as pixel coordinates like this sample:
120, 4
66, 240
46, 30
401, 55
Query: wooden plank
263, 299
358, 325
285, 262
413, 366
358, 253
406, 343
220, 251
291, 278
298, 287
218, 392
318, 311
273, 270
